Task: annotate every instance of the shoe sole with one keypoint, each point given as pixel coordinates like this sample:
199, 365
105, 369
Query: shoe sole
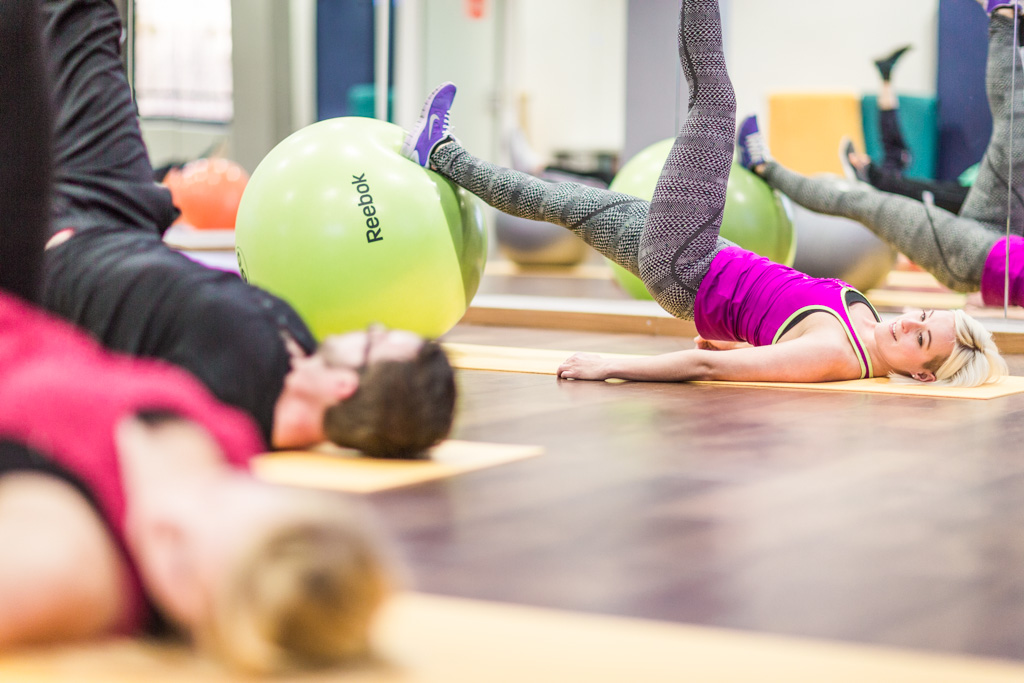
422, 124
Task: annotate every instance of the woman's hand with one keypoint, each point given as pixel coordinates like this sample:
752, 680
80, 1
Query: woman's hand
584, 366
717, 345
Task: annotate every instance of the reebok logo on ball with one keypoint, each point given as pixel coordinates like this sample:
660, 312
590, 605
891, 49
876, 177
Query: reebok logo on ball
366, 201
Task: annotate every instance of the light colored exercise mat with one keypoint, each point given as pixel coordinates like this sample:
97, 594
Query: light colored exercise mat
546, 362
346, 470
432, 639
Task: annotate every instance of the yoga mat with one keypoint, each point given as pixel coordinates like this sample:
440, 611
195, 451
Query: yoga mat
546, 362
329, 467
433, 639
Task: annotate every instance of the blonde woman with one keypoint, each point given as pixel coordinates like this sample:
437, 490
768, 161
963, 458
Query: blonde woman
967, 252
123, 483
759, 321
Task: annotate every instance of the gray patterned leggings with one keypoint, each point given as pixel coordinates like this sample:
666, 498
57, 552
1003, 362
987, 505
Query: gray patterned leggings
952, 248
668, 242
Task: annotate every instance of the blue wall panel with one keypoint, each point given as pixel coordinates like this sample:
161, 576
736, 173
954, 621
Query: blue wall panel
344, 52
964, 120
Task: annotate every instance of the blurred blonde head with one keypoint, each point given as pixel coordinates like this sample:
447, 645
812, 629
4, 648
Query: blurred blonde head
303, 594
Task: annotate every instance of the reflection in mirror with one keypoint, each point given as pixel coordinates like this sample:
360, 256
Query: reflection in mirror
581, 87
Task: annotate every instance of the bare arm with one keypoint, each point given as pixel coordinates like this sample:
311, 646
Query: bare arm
805, 359
61, 576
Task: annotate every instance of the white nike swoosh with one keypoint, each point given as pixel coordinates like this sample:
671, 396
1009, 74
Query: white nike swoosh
434, 118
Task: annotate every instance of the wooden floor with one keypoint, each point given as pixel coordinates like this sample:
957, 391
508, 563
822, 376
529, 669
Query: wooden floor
863, 518
875, 519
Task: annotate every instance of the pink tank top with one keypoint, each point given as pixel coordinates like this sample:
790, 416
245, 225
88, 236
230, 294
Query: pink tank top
745, 297
993, 275
63, 395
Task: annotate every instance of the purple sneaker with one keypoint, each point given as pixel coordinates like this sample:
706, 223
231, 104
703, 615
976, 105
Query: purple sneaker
992, 5
753, 150
432, 127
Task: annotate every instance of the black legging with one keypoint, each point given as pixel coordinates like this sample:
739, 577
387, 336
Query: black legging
888, 175
26, 156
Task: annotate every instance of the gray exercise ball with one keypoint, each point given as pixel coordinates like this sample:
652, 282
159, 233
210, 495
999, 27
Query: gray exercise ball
536, 243
831, 246
533, 243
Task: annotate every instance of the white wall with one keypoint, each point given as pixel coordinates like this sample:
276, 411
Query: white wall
566, 73
780, 45
569, 58
467, 52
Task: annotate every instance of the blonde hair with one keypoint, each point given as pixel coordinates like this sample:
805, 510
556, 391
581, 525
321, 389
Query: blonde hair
304, 594
975, 360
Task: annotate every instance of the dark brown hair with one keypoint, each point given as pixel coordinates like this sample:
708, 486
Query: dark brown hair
400, 409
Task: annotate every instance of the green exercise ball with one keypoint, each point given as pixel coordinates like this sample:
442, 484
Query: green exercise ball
338, 223
755, 217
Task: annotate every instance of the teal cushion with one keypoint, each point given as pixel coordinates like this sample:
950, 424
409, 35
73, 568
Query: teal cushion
968, 177
919, 124
362, 100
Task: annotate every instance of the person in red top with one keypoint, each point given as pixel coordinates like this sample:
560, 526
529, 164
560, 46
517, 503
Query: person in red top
124, 483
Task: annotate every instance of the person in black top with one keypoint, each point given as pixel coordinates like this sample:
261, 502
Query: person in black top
888, 174
108, 271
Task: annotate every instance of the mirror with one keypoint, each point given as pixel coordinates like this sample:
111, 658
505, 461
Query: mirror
578, 86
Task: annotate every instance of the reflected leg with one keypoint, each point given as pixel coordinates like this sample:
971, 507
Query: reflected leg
951, 248
611, 222
995, 192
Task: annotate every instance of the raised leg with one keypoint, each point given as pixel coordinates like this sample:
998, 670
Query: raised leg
610, 222
996, 192
951, 248
103, 175
680, 238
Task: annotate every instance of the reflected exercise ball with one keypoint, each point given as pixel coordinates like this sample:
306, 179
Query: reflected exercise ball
836, 247
755, 217
348, 231
537, 243
207, 191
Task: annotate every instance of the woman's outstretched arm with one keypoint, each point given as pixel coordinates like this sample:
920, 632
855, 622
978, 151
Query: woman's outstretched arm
62, 576
805, 359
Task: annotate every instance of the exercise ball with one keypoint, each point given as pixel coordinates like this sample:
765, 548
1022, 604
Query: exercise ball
755, 217
207, 191
537, 243
831, 246
348, 231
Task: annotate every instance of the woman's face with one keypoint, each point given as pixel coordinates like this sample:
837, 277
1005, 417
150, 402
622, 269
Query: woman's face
915, 342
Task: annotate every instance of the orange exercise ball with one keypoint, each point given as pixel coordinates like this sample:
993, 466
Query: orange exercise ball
207, 191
